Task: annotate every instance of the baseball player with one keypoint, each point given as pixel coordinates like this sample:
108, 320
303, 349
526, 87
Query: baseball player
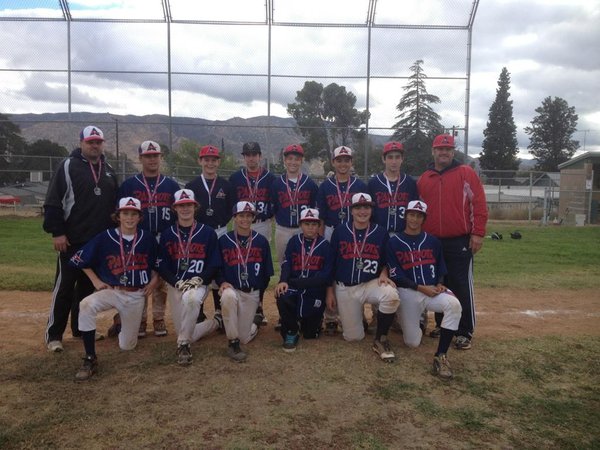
417, 267
291, 193
457, 216
392, 189
253, 184
155, 192
217, 198
335, 192
305, 274
119, 262
188, 260
333, 202
361, 276
245, 272
80, 199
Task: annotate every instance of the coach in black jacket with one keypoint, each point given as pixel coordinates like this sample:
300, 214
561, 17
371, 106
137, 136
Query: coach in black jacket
80, 199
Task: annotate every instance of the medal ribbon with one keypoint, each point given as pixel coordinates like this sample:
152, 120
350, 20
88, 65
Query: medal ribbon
238, 247
364, 241
126, 259
304, 256
151, 194
339, 193
394, 196
212, 186
94, 175
184, 252
293, 198
253, 190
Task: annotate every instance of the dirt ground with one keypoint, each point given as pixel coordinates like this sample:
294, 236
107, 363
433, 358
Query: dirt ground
501, 313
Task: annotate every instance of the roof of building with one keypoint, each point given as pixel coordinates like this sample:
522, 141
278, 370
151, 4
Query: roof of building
576, 159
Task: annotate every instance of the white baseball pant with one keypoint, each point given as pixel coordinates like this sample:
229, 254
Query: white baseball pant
282, 237
185, 308
414, 303
327, 233
129, 304
265, 228
350, 302
238, 309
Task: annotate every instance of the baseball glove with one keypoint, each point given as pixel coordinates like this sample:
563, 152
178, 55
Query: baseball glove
496, 236
192, 283
516, 235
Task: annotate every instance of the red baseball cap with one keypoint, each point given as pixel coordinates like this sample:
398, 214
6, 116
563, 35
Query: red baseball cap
209, 150
294, 149
393, 146
443, 140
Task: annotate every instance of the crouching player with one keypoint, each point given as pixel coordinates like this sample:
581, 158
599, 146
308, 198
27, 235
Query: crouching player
246, 270
361, 276
417, 267
305, 274
188, 260
119, 262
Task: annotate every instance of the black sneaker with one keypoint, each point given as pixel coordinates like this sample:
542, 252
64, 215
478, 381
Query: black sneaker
184, 355
235, 352
435, 333
331, 328
89, 368
259, 318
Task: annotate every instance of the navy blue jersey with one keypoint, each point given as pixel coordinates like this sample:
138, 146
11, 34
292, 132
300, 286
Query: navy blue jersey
251, 273
188, 258
289, 198
215, 210
362, 261
414, 260
156, 204
329, 203
391, 199
103, 255
308, 270
254, 190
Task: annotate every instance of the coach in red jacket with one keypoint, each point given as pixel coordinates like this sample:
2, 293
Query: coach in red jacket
457, 215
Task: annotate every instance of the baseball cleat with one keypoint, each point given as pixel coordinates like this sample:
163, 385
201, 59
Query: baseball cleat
462, 343
55, 346
331, 328
259, 318
436, 332
290, 342
441, 367
235, 352
184, 355
160, 328
219, 318
142, 330
383, 349
89, 368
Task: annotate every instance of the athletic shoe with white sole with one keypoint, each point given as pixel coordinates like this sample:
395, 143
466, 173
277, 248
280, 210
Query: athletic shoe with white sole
290, 342
160, 328
235, 352
441, 367
383, 349
462, 343
184, 355
55, 346
89, 368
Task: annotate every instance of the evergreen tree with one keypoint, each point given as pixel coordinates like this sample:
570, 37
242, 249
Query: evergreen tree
418, 123
550, 134
500, 146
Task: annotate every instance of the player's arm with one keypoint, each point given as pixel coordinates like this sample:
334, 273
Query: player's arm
54, 222
330, 299
97, 282
149, 288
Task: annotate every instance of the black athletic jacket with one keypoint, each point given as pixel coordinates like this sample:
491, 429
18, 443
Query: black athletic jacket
72, 208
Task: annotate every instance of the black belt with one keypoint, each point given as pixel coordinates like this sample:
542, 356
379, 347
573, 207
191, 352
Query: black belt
339, 283
247, 290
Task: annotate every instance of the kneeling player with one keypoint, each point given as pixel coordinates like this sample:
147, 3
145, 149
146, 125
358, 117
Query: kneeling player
119, 263
417, 266
305, 274
246, 270
189, 259
361, 276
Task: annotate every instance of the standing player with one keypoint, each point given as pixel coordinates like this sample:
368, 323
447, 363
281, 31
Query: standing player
417, 267
217, 198
291, 193
80, 199
361, 276
119, 262
189, 259
392, 190
253, 184
305, 274
457, 216
155, 192
335, 192
245, 273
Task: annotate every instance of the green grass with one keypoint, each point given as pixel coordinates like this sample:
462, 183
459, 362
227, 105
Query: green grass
545, 258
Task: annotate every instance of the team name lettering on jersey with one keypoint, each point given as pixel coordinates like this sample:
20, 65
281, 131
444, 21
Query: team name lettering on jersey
138, 261
383, 199
303, 198
196, 250
243, 193
315, 262
413, 258
231, 256
349, 250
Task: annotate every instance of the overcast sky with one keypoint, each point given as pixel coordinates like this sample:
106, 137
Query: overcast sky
550, 48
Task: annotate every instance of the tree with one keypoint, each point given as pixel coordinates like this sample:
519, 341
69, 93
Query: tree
183, 163
500, 146
550, 134
418, 123
326, 118
44, 155
12, 147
